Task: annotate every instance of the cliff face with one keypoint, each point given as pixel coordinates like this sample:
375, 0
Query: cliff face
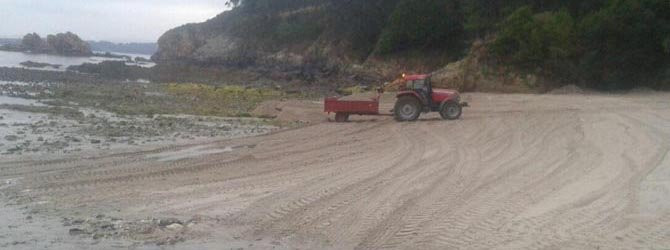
361, 39
180, 43
314, 33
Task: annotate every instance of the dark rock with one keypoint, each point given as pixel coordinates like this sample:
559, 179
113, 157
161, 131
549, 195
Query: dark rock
110, 70
106, 226
169, 221
14, 149
68, 44
11, 137
31, 64
33, 42
76, 231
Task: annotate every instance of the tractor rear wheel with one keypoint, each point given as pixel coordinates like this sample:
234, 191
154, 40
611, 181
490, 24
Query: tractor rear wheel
341, 117
451, 111
407, 108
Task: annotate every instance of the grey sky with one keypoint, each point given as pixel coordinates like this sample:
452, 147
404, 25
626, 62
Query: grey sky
112, 20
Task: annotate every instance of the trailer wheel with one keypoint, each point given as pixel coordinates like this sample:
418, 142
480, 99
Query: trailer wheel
451, 111
341, 117
407, 108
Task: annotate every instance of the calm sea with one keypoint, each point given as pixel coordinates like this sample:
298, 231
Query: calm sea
14, 59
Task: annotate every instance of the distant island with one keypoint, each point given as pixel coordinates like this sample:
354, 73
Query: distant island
69, 44
128, 48
66, 44
7, 41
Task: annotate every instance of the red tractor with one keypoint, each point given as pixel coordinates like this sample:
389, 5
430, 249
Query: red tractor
416, 96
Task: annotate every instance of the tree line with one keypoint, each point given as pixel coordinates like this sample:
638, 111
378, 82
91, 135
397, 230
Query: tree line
605, 44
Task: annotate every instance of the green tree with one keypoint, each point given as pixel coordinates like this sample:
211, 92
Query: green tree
483, 16
359, 22
423, 25
545, 42
624, 42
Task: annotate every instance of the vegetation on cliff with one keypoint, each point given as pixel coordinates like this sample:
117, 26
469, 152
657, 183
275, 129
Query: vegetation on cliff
606, 44
618, 45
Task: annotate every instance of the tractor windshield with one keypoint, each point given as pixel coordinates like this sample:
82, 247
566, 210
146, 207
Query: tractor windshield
424, 84
419, 84
416, 84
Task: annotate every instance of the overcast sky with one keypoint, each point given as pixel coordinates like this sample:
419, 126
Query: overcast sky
112, 20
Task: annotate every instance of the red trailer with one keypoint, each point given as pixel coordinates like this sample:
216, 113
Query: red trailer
344, 108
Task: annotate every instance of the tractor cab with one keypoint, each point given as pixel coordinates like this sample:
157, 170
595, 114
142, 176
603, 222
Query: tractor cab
416, 82
421, 85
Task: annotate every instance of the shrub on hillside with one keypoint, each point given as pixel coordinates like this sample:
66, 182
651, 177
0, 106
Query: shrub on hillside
297, 30
545, 42
420, 25
624, 43
621, 46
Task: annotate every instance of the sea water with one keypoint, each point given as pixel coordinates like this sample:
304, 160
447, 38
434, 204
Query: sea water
14, 60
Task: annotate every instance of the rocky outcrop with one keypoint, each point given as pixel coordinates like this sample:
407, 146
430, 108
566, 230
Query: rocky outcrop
283, 38
33, 42
31, 64
194, 43
66, 44
179, 43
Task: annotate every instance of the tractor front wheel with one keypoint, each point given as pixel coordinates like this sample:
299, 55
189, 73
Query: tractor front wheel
407, 108
451, 111
341, 117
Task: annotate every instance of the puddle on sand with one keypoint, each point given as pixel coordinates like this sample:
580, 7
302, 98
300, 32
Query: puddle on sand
18, 101
189, 153
14, 83
24, 230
